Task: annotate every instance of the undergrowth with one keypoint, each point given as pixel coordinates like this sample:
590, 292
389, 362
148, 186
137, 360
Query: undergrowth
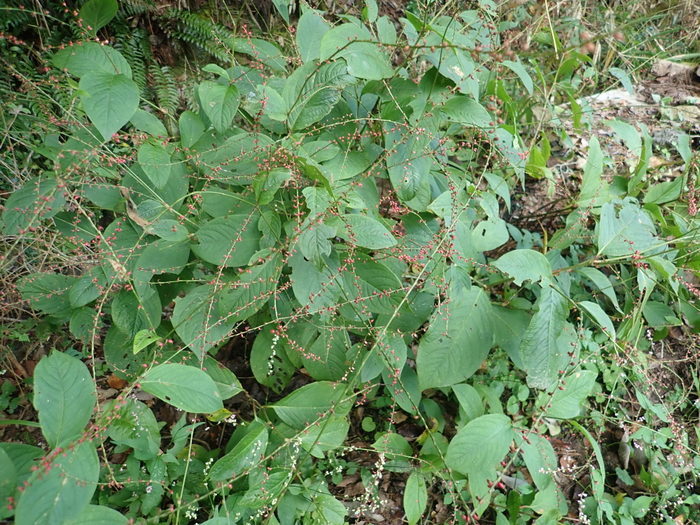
295, 279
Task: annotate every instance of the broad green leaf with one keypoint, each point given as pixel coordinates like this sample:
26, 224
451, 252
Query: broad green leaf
98, 515
219, 103
664, 192
469, 400
624, 233
191, 128
523, 75
543, 356
326, 359
38, 198
148, 123
623, 77
109, 100
594, 190
523, 265
135, 426
566, 402
602, 282
228, 241
249, 293
467, 111
367, 232
327, 435
8, 481
87, 288
457, 341
185, 387
415, 497
62, 490
246, 453
540, 459
311, 92
64, 397
144, 338
364, 58
314, 242
269, 362
96, 14
396, 449
133, 312
489, 234
313, 402
600, 317
47, 292
409, 161
155, 162
628, 134
197, 319
480, 446
89, 57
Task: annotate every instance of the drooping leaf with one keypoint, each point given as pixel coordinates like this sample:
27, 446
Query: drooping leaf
310, 30
109, 100
600, 317
185, 387
64, 397
626, 232
47, 292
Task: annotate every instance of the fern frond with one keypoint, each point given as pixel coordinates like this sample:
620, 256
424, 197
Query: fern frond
210, 37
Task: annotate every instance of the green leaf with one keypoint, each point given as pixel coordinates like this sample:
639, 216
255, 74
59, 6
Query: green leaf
594, 191
314, 242
96, 14
148, 123
47, 292
38, 198
313, 402
219, 103
540, 459
64, 397
248, 294
566, 402
144, 338
228, 241
245, 454
524, 265
185, 387
467, 111
191, 128
625, 233
457, 341
109, 100
523, 75
541, 352
155, 162
98, 515
602, 282
664, 191
415, 497
480, 446
90, 57
364, 59
489, 234
368, 232
623, 77
326, 436
600, 317
8, 481
269, 362
135, 426
197, 319
62, 491
311, 92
